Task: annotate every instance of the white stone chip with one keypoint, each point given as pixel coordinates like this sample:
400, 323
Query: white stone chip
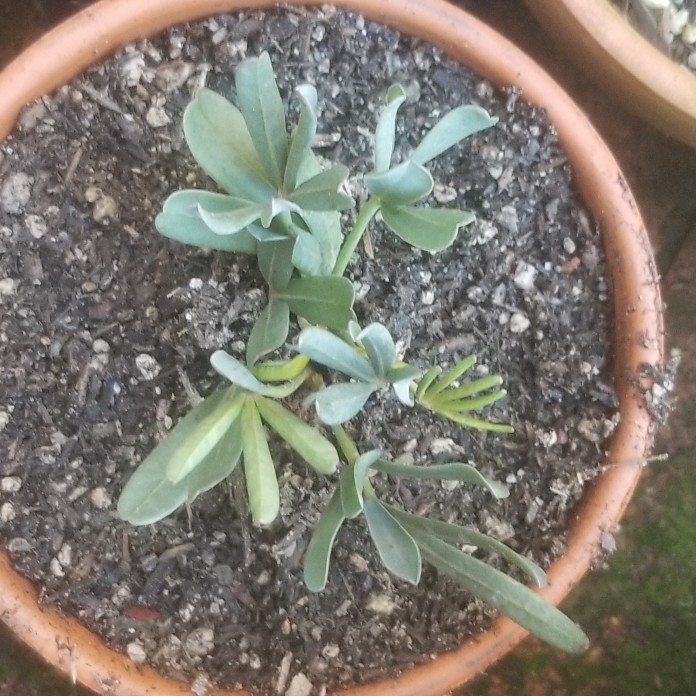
149, 367
16, 192
36, 226
4, 420
7, 512
157, 117
519, 323
381, 604
299, 686
100, 498
10, 484
136, 652
524, 276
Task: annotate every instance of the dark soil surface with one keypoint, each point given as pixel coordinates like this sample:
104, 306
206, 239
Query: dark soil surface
106, 329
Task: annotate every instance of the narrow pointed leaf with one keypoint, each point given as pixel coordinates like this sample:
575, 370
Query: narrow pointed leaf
454, 126
259, 472
180, 221
340, 402
468, 389
428, 378
325, 300
303, 137
149, 495
386, 128
463, 405
306, 254
510, 597
199, 443
352, 480
451, 375
269, 332
395, 545
318, 556
405, 183
329, 350
454, 471
321, 191
230, 368
307, 441
379, 347
403, 373
431, 229
275, 262
233, 221
264, 115
476, 423
402, 389
455, 534
220, 141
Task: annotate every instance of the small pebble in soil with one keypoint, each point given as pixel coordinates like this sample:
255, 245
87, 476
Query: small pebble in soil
147, 365
16, 192
100, 498
299, 686
10, 484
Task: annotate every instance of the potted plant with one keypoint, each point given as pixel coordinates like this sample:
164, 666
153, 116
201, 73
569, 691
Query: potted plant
607, 198
624, 63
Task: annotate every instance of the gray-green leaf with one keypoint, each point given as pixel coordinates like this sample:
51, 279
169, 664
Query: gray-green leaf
321, 191
379, 347
230, 368
386, 127
303, 137
329, 350
454, 471
220, 141
455, 534
264, 115
275, 262
180, 221
270, 330
318, 556
510, 597
452, 127
405, 183
352, 481
307, 441
259, 472
432, 229
149, 495
395, 545
340, 402
201, 440
231, 221
326, 300
306, 254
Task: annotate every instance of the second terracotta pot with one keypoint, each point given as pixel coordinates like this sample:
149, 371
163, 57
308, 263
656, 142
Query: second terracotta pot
638, 331
623, 63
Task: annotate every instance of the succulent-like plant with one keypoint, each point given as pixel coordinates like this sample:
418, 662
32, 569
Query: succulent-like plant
283, 208
404, 540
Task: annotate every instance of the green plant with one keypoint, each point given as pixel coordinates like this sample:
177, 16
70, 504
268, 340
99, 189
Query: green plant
283, 208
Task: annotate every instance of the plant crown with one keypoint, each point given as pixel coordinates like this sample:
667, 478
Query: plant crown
281, 206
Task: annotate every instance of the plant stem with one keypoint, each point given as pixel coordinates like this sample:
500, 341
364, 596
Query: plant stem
350, 451
351, 242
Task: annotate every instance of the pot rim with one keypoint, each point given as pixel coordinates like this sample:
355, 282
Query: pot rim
98, 31
622, 61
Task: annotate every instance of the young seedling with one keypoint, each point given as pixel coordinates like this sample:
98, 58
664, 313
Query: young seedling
282, 207
404, 540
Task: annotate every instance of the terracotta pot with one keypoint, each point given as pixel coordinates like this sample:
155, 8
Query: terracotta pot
623, 63
99, 30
